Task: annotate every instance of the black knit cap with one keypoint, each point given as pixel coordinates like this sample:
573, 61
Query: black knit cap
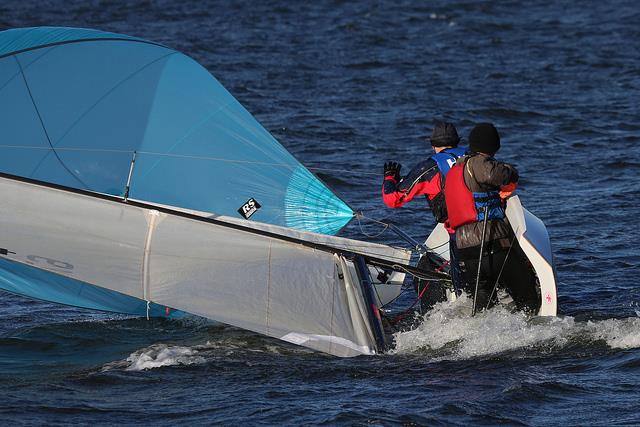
444, 135
484, 138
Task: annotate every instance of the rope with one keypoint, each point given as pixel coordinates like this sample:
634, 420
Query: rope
404, 270
484, 233
415, 245
495, 285
44, 128
404, 313
371, 236
182, 156
405, 290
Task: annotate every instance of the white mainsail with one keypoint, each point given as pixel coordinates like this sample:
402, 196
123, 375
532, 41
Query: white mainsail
258, 282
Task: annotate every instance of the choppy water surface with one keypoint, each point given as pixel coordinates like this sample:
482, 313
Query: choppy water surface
345, 86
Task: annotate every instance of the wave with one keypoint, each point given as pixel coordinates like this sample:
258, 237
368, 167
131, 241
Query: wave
157, 356
448, 332
237, 346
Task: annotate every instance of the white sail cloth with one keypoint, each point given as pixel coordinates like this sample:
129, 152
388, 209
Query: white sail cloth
261, 283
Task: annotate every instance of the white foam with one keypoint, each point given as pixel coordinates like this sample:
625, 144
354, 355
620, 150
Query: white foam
159, 355
617, 333
449, 332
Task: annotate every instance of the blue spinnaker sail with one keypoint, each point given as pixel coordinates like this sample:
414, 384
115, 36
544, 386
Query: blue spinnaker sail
23, 280
75, 104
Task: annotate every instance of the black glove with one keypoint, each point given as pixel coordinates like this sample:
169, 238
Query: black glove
392, 169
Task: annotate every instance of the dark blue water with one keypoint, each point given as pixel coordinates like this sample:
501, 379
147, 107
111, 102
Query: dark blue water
346, 86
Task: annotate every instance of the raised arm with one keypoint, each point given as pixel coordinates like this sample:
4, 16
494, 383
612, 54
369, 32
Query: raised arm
424, 178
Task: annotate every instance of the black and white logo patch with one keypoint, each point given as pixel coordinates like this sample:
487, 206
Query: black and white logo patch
250, 207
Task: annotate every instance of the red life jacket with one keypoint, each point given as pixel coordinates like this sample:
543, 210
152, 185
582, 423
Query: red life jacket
464, 206
459, 199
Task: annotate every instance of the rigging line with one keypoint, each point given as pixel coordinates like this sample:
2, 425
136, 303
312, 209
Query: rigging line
355, 172
189, 132
417, 246
389, 258
354, 249
377, 221
441, 245
186, 156
44, 53
371, 236
413, 274
110, 91
402, 293
484, 233
495, 285
403, 314
24, 78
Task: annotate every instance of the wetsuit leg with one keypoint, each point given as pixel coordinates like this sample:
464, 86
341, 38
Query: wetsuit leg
520, 281
469, 258
457, 277
516, 277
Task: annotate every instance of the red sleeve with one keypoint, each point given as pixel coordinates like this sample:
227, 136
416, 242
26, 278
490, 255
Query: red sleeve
394, 197
391, 196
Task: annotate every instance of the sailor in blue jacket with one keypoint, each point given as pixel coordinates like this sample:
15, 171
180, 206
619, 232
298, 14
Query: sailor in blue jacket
427, 178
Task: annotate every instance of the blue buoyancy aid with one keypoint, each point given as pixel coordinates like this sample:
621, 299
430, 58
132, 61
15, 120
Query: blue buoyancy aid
447, 158
492, 201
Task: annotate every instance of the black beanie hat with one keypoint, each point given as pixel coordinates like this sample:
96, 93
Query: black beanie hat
444, 135
484, 138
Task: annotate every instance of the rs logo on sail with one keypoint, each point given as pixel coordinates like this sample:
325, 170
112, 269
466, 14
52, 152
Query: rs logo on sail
250, 207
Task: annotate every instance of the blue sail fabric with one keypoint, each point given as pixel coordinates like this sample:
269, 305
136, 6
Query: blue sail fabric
75, 104
27, 281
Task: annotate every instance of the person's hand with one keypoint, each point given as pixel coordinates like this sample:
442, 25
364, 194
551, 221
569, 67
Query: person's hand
507, 190
392, 169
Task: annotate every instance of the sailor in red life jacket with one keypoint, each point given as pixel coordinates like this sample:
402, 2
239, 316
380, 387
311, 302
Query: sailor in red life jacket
476, 184
427, 178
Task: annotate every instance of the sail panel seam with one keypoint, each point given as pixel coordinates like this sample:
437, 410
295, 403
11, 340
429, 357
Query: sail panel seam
268, 314
95, 39
111, 90
35, 106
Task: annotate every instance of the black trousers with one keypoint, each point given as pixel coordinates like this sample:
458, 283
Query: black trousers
517, 276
